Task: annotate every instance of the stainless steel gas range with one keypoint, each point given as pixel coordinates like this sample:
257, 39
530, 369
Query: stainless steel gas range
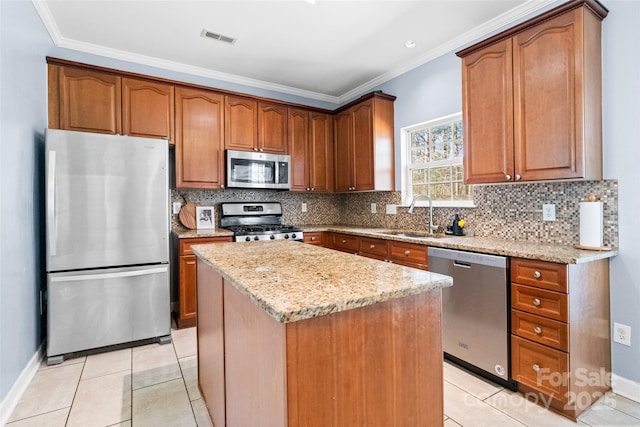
257, 221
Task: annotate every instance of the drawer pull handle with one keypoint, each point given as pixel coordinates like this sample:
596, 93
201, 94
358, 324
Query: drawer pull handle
313, 238
372, 246
537, 274
536, 301
344, 241
536, 367
407, 252
537, 330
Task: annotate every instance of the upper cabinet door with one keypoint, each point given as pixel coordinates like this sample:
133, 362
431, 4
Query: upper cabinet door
321, 152
299, 148
487, 87
363, 146
89, 101
549, 99
199, 139
241, 123
148, 109
272, 128
343, 151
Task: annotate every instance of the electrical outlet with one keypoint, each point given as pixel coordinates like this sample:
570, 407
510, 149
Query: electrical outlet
374, 208
548, 212
391, 209
622, 334
304, 207
176, 207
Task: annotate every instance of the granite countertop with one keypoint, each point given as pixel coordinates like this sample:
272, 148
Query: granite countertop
563, 254
293, 281
185, 233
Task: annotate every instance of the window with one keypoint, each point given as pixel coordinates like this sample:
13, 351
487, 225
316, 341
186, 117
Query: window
432, 162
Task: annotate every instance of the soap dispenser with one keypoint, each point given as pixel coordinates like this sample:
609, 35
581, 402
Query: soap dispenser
457, 230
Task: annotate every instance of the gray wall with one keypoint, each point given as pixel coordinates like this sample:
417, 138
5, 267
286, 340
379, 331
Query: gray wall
23, 84
431, 90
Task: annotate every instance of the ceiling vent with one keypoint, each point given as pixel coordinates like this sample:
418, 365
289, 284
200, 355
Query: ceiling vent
216, 36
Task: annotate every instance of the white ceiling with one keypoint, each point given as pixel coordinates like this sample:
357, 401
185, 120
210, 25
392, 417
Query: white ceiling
328, 50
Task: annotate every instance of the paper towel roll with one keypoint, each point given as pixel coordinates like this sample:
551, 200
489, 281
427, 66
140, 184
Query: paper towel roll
591, 221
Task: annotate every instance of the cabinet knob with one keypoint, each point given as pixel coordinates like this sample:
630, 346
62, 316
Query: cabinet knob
308, 189
313, 189
536, 301
255, 149
537, 274
536, 367
313, 238
407, 252
372, 246
222, 186
518, 177
507, 177
537, 330
344, 241
261, 149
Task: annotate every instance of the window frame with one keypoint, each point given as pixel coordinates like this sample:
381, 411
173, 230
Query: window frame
406, 188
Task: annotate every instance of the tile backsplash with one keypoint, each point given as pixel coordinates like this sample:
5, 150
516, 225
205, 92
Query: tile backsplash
507, 211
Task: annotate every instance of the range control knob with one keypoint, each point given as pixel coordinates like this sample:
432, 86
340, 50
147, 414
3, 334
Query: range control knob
256, 238
247, 239
286, 236
293, 236
272, 237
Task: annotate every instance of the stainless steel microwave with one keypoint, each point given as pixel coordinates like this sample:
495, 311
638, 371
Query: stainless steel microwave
249, 169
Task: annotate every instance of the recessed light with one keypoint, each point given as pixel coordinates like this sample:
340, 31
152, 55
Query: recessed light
410, 44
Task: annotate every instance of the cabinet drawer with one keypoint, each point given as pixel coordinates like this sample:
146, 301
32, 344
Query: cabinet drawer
345, 242
539, 301
314, 238
409, 252
541, 274
543, 368
540, 329
185, 244
377, 247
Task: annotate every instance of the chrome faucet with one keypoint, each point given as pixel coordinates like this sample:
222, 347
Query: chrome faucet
432, 227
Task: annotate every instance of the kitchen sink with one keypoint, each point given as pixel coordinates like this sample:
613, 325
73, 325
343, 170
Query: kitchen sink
413, 234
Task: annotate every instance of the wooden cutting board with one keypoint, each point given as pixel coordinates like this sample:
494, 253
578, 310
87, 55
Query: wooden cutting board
187, 215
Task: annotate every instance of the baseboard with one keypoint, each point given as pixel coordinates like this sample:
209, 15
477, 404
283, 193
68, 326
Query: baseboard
625, 387
12, 398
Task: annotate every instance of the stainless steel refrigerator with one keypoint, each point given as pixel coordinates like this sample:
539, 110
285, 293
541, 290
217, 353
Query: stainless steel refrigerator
107, 215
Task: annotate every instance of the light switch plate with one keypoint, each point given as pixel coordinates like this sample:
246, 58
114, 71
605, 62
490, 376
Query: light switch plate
304, 207
392, 209
176, 207
374, 208
548, 212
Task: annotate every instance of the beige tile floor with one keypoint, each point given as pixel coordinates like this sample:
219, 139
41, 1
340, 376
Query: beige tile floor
156, 385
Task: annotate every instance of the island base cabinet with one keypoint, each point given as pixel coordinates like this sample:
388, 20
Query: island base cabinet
374, 365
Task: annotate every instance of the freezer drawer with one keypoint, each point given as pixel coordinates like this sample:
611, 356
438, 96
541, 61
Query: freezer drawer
97, 308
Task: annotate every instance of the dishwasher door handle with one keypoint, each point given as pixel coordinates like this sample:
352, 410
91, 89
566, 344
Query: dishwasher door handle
461, 264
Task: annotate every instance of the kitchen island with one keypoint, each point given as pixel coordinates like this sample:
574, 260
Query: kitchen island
296, 335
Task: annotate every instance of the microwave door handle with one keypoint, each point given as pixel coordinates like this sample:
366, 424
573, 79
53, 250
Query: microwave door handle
52, 223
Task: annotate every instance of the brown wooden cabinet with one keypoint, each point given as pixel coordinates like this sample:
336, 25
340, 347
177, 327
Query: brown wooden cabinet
560, 345
364, 145
314, 238
87, 100
84, 100
532, 99
252, 125
311, 150
404, 253
148, 108
199, 139
188, 304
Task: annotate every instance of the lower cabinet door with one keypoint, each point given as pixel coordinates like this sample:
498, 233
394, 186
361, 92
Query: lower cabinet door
188, 301
540, 367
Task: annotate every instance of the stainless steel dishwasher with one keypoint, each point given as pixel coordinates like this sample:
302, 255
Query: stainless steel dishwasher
475, 312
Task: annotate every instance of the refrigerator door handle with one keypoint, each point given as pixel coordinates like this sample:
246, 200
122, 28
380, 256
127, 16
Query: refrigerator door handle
52, 228
98, 276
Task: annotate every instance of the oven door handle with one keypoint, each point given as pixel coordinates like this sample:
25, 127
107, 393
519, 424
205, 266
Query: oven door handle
461, 264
